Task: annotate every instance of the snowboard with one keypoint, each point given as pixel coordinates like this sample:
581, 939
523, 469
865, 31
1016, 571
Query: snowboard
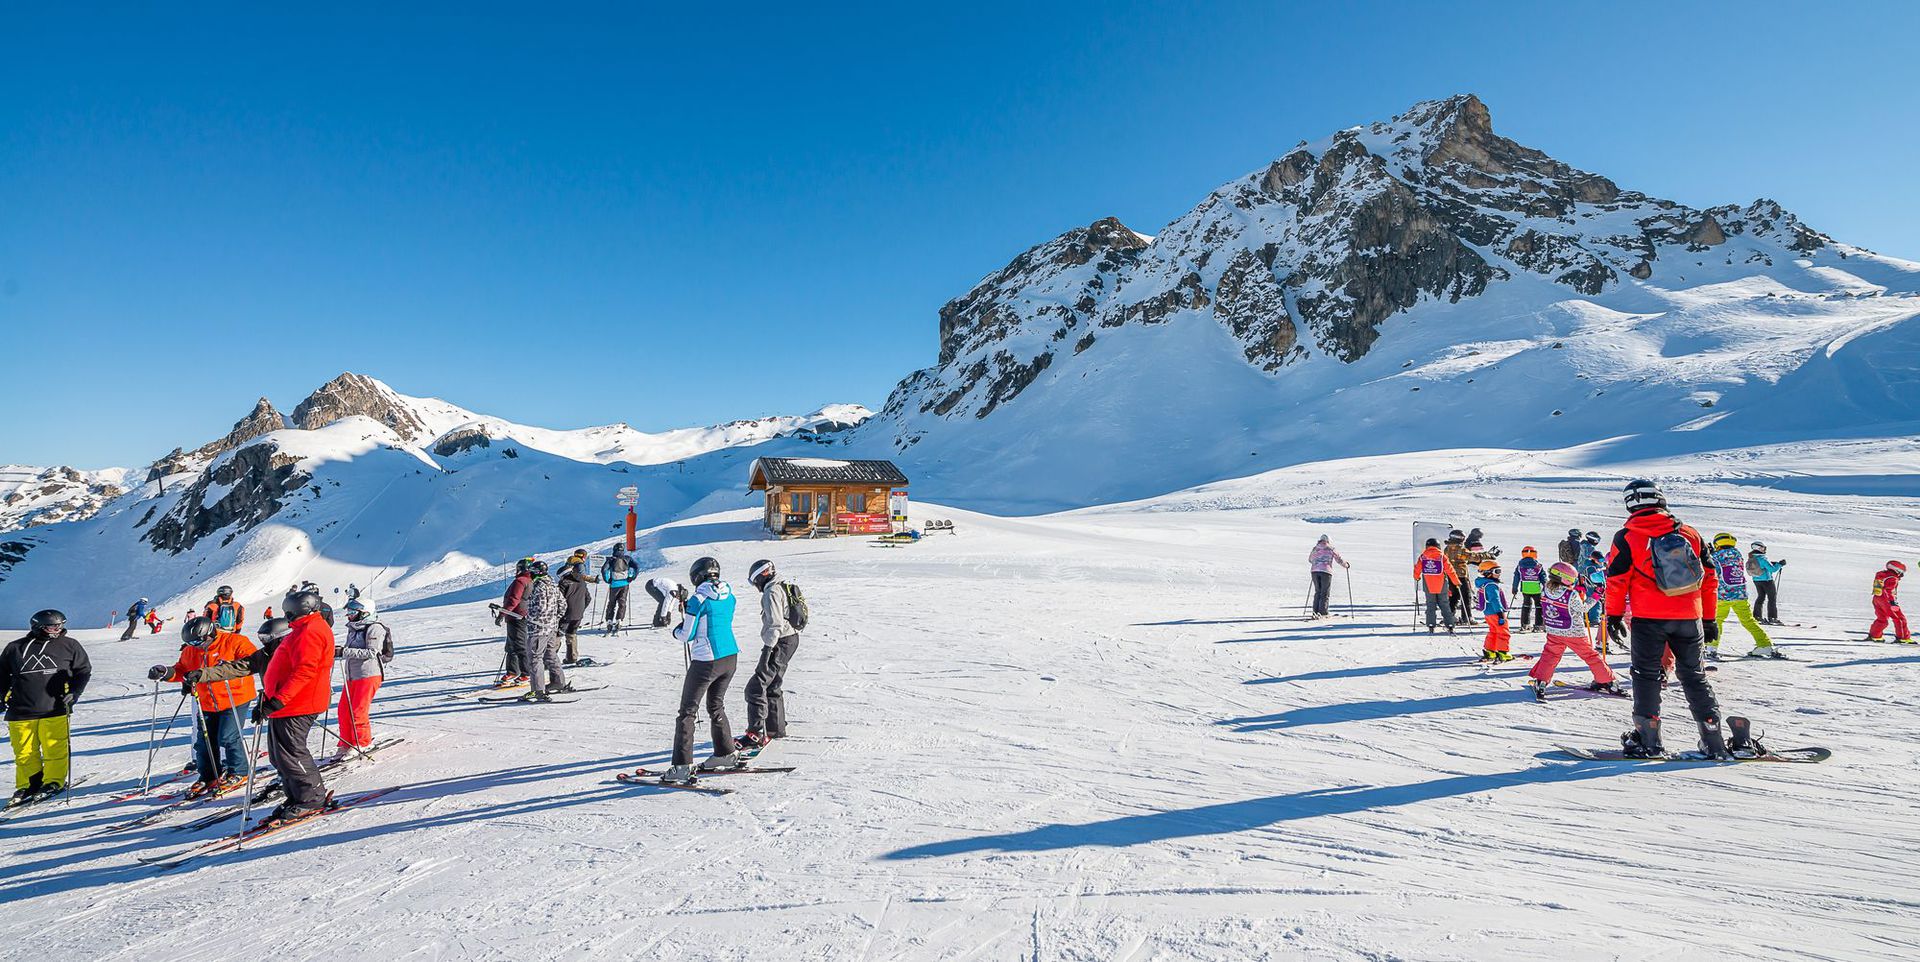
1804, 756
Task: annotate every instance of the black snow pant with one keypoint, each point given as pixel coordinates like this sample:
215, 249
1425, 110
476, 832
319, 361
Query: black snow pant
1650, 639
516, 663
1766, 600
127, 635
1463, 600
706, 682
660, 616
1322, 587
766, 690
570, 627
1442, 604
293, 761
1529, 611
616, 604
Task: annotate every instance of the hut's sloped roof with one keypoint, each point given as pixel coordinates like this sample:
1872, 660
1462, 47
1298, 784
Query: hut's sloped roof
772, 471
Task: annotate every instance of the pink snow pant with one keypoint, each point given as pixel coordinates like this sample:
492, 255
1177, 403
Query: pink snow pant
1557, 645
356, 700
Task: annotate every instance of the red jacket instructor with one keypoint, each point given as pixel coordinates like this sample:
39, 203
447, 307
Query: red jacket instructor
1681, 622
297, 688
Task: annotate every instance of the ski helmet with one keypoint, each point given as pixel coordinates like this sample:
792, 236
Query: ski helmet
1897, 567
274, 629
197, 631
225, 592
1573, 534
761, 574
358, 610
1758, 548
1564, 572
1642, 493
1593, 537
1489, 567
1433, 542
705, 570
1456, 535
1529, 552
1326, 539
299, 604
520, 567
49, 621
537, 568
1724, 540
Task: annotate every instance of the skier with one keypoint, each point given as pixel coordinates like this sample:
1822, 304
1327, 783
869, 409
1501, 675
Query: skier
513, 609
267, 615
226, 613
1731, 570
1563, 617
1435, 576
1456, 552
43, 674
1765, 573
298, 684
217, 737
272, 632
712, 656
1321, 560
666, 594
573, 587
617, 572
1571, 550
1886, 605
368, 649
1528, 578
1590, 556
135, 612
1493, 605
779, 640
1656, 564
544, 608
154, 622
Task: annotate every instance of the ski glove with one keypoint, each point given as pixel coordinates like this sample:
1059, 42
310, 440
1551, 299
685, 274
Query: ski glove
265, 707
1616, 628
1710, 630
156, 673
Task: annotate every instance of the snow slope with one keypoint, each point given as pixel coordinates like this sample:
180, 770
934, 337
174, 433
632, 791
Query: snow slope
1096, 735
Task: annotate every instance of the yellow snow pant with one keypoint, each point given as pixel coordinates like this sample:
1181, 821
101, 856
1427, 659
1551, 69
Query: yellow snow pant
1745, 611
39, 749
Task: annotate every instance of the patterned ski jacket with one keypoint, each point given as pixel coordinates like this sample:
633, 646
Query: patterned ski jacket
1323, 558
1732, 571
545, 605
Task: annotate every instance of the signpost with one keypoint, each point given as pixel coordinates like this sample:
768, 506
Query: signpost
630, 496
897, 509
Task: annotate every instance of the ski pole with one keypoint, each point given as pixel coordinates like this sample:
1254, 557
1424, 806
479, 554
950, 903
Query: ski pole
152, 748
246, 802
153, 719
1349, 570
357, 750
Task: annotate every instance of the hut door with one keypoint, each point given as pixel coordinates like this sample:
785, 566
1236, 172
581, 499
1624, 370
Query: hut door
823, 510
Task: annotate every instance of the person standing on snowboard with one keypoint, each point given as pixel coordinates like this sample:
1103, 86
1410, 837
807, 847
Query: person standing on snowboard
779, 640
712, 655
1320, 561
1886, 605
1657, 565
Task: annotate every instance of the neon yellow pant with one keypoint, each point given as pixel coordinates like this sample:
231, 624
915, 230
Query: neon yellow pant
1745, 611
39, 748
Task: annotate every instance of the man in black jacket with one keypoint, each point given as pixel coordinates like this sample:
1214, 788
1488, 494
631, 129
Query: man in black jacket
574, 581
43, 675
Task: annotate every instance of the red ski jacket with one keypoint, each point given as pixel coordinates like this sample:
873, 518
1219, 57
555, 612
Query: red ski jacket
1630, 572
301, 672
1886, 586
516, 597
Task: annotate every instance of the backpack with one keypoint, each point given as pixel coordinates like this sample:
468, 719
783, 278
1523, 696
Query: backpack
386, 643
796, 607
618, 566
1676, 566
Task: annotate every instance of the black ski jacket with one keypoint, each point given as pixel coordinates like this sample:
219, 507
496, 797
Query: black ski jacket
577, 594
43, 677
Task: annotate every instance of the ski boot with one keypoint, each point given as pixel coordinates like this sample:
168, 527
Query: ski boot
1904, 641
1431, 629
1538, 688
566, 689
20, 797
720, 763
1712, 743
1644, 740
679, 775
228, 783
1713, 652
1876, 639
1606, 687
534, 697
750, 743
1766, 651
198, 789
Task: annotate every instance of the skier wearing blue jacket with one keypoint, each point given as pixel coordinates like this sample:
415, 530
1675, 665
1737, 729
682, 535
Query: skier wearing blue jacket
712, 655
618, 573
1766, 583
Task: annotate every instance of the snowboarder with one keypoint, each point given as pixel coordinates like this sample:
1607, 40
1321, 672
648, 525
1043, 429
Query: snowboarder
135, 612
42, 674
1765, 573
779, 640
1562, 614
712, 655
667, 595
1321, 560
1435, 576
513, 609
297, 687
368, 649
219, 758
1886, 605
1529, 577
1493, 606
544, 607
1731, 570
1656, 565
226, 613
1571, 550
574, 581
617, 572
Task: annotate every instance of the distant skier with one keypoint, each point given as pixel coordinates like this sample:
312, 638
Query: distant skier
779, 641
1456, 552
367, 650
1657, 564
1731, 570
544, 607
667, 595
513, 610
1765, 573
226, 613
1886, 605
43, 674
297, 687
219, 757
135, 612
1435, 577
1572, 549
1321, 561
154, 621
1493, 607
712, 656
618, 572
575, 587
1529, 578
1562, 613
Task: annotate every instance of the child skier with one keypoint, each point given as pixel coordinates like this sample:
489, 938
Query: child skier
1434, 575
1562, 616
1732, 570
1320, 561
1493, 605
1528, 579
1886, 605
1765, 573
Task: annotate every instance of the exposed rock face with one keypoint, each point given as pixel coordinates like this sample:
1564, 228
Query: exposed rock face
351, 394
1312, 255
253, 484
37, 496
459, 440
261, 420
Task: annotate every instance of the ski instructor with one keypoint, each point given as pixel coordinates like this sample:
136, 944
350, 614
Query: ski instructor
1657, 566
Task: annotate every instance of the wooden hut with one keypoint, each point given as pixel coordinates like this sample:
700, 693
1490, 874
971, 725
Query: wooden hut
811, 497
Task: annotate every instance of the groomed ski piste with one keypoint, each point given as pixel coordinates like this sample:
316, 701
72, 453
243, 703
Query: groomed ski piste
1102, 734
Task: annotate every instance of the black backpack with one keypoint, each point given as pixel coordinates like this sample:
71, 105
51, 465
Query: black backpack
796, 607
1676, 566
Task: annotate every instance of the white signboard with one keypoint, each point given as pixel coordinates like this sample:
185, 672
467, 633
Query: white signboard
629, 496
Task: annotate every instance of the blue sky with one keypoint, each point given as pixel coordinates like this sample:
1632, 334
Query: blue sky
669, 218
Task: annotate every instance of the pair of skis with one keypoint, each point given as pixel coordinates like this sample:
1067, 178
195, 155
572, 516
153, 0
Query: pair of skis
259, 830
274, 790
549, 701
11, 811
651, 779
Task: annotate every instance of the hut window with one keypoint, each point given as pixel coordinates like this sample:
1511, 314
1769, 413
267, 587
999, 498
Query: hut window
800, 502
857, 503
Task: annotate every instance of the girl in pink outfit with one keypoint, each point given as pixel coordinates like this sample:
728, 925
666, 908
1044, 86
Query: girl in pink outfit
1561, 614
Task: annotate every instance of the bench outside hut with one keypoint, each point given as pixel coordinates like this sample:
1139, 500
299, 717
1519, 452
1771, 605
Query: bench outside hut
819, 497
